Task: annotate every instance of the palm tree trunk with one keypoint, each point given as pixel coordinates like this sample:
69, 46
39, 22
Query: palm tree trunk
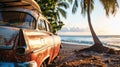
97, 42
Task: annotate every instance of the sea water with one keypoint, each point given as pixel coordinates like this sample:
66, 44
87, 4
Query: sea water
108, 40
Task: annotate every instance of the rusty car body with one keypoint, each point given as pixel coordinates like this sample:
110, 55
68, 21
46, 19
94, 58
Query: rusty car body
25, 35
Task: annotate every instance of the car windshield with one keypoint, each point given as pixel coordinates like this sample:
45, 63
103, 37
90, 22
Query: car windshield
16, 19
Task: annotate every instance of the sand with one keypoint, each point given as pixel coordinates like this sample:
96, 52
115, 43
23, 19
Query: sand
70, 57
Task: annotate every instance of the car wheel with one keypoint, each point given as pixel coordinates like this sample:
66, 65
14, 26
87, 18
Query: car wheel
43, 65
61, 46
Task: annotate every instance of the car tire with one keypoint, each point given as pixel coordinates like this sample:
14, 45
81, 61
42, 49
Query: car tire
61, 46
43, 65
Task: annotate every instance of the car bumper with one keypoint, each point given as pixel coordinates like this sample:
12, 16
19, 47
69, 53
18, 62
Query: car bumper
22, 64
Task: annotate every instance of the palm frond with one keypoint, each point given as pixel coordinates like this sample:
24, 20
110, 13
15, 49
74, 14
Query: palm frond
62, 12
110, 6
83, 7
91, 5
63, 4
75, 6
70, 1
58, 15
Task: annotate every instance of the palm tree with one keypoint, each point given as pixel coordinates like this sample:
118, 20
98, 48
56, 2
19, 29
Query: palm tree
87, 6
110, 6
52, 10
59, 9
97, 42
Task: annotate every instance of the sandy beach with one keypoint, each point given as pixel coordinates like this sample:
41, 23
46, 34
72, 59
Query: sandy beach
70, 57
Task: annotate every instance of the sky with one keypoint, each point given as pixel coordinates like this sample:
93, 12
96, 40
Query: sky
76, 24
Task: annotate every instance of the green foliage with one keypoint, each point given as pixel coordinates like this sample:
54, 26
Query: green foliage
63, 4
56, 26
110, 6
83, 5
63, 13
52, 9
75, 6
87, 6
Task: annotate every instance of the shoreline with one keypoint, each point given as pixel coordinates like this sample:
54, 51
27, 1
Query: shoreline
68, 46
69, 58
108, 41
110, 46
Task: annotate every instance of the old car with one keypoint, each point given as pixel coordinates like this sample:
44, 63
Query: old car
25, 35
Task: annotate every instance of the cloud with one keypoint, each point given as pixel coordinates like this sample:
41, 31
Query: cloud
73, 29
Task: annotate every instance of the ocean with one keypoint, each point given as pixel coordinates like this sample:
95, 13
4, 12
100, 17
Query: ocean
109, 41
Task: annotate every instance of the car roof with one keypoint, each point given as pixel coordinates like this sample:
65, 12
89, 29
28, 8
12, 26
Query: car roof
22, 5
27, 4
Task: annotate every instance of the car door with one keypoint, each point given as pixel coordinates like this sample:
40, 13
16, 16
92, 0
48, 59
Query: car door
48, 38
56, 40
41, 42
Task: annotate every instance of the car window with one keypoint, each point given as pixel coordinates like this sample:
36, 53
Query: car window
41, 25
48, 27
16, 19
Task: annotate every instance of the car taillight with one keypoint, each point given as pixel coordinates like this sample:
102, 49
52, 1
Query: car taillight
21, 47
21, 54
20, 50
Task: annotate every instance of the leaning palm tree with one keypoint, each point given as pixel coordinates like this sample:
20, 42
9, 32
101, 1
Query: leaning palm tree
87, 6
97, 42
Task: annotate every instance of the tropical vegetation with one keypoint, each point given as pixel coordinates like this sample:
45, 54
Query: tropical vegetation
53, 9
87, 6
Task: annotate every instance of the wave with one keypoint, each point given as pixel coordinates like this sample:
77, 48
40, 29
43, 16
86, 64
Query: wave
89, 43
79, 42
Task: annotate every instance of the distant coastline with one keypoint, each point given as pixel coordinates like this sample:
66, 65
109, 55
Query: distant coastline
91, 35
112, 41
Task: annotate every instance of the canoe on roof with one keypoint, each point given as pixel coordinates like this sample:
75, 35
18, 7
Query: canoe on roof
28, 4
